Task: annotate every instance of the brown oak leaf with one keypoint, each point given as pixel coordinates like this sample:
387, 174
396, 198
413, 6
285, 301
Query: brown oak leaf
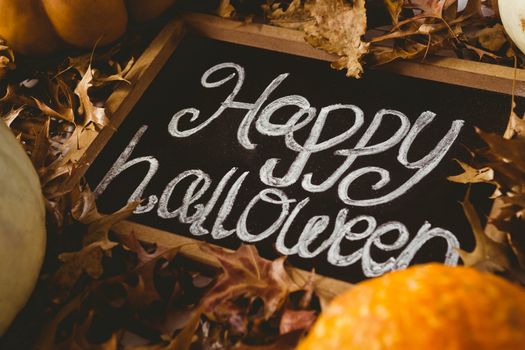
246, 275
487, 254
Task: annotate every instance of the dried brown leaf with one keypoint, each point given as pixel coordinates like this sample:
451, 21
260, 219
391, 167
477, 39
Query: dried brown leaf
431, 8
225, 9
91, 113
492, 38
12, 115
337, 28
84, 208
516, 124
297, 320
46, 339
144, 257
295, 16
79, 338
510, 151
473, 175
394, 9
101, 80
246, 275
98, 230
487, 253
75, 264
40, 150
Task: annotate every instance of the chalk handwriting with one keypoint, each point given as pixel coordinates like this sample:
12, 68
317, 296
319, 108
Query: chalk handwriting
194, 210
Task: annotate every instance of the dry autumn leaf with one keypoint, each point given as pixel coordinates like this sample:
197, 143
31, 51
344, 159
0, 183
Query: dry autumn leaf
295, 16
91, 113
225, 9
297, 320
12, 115
98, 229
246, 275
487, 254
473, 175
516, 124
338, 28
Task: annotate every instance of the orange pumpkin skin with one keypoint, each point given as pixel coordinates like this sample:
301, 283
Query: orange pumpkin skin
26, 27
146, 10
40, 27
424, 307
82, 23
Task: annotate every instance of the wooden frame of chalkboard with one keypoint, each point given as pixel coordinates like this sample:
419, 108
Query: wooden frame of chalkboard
450, 70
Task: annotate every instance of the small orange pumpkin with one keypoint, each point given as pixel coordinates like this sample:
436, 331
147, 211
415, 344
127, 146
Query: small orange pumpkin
40, 27
424, 307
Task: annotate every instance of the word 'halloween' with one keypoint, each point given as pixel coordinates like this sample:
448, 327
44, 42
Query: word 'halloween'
195, 210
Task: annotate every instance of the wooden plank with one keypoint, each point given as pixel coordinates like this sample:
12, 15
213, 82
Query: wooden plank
325, 286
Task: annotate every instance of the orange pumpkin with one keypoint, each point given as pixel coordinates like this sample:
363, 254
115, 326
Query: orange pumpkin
40, 27
424, 307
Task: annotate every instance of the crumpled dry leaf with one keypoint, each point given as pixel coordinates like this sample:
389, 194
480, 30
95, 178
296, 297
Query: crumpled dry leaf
431, 8
41, 147
394, 8
516, 125
420, 27
473, 175
86, 261
487, 253
297, 320
119, 75
338, 27
98, 229
12, 115
246, 275
92, 113
295, 16
225, 9
492, 38
182, 341
143, 292
46, 339
67, 116
96, 243
79, 341
144, 257
509, 150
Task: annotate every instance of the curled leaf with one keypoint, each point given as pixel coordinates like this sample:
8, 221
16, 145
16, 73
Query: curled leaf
338, 27
92, 114
225, 9
246, 275
473, 175
98, 230
297, 320
487, 253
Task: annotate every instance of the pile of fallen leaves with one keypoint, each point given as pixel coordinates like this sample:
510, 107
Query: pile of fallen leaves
500, 246
102, 290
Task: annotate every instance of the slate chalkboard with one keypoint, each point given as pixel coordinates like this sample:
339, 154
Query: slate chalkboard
259, 160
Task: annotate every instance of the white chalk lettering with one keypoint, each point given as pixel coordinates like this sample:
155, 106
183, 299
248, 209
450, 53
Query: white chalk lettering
201, 196
122, 164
